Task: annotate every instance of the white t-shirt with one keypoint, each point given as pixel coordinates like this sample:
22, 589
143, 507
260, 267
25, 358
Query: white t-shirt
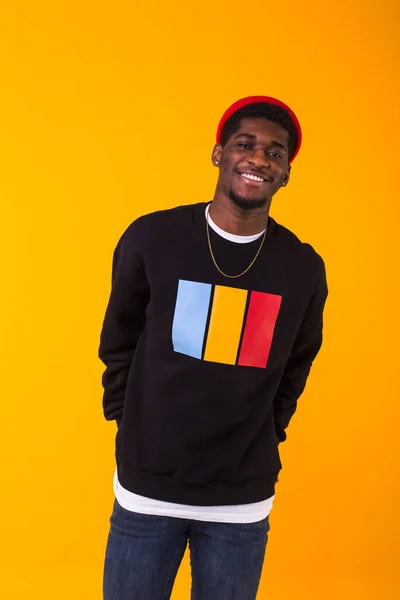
237, 513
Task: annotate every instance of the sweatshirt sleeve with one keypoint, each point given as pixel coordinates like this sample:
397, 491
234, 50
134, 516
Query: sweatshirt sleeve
305, 348
124, 319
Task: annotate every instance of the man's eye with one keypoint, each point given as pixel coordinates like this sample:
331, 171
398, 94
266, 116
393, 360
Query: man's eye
275, 154
244, 145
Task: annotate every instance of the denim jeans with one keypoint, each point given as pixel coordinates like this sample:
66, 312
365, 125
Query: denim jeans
144, 553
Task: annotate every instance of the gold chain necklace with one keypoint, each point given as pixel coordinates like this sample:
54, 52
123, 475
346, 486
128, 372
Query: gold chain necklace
215, 262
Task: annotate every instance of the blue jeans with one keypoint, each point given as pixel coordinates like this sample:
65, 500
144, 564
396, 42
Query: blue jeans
144, 553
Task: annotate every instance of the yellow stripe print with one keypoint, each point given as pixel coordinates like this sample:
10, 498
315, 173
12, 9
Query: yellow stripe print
225, 325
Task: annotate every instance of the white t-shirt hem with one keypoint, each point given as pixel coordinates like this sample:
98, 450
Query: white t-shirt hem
241, 513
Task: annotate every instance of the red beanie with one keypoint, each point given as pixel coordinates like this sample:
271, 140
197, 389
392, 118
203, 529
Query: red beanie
267, 100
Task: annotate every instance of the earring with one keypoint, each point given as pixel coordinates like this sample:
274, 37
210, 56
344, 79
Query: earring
216, 163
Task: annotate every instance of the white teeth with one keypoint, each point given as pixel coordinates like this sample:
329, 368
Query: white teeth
253, 177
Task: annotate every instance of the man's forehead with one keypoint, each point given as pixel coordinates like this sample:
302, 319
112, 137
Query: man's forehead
261, 127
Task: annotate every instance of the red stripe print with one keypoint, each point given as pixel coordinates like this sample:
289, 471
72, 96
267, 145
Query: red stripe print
259, 329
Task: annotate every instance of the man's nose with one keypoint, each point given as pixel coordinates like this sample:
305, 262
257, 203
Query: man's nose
258, 158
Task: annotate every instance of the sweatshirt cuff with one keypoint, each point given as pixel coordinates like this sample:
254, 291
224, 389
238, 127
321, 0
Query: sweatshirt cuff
280, 435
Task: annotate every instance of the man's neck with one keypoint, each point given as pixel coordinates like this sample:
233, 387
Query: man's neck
233, 219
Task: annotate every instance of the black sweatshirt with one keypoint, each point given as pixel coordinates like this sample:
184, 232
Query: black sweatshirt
203, 373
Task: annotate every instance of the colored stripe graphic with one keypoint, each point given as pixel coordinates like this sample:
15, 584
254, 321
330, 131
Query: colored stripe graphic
259, 329
226, 324
190, 318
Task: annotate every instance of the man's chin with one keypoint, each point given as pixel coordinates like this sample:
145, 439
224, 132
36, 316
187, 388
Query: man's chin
247, 203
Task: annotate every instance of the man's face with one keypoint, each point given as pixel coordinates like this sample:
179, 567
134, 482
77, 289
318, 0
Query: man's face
254, 163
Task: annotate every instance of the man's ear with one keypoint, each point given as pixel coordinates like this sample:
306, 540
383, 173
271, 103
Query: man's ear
216, 155
287, 175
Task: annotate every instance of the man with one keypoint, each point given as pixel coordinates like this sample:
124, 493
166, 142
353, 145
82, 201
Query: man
214, 320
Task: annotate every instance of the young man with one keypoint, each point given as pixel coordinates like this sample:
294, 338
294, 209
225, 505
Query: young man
214, 320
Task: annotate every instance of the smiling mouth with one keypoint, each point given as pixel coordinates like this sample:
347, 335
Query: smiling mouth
251, 177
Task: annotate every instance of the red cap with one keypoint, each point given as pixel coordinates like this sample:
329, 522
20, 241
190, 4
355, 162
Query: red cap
267, 100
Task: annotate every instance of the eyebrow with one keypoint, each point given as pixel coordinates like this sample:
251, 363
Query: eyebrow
251, 136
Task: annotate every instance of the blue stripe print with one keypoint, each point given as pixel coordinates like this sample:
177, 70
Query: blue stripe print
190, 317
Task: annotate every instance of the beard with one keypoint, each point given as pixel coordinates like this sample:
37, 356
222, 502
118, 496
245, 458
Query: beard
245, 204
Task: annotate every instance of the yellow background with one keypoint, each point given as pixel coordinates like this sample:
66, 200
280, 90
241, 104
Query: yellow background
108, 111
